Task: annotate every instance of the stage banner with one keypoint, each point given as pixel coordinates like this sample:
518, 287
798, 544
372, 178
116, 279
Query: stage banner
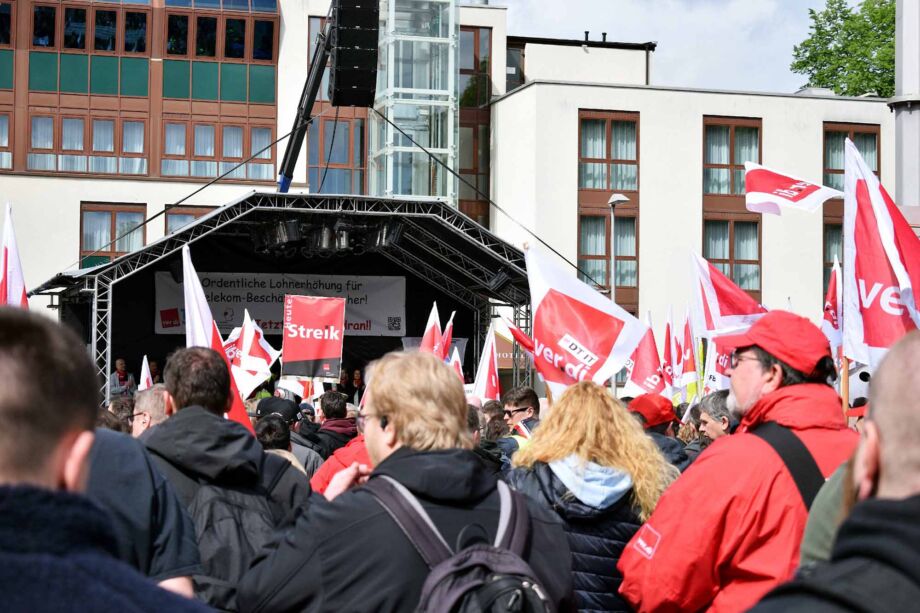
375, 306
313, 334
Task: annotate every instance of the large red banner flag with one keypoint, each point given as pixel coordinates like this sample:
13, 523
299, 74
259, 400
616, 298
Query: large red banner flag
201, 331
578, 333
431, 339
719, 306
314, 329
881, 266
485, 385
12, 283
519, 336
644, 372
768, 191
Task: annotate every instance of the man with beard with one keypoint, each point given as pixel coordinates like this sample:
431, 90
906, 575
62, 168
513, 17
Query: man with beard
749, 494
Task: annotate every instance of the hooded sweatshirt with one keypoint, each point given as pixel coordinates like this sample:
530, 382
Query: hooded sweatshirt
595, 504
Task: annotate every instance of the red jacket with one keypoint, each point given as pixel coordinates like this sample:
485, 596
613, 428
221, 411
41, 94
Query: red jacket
728, 530
342, 458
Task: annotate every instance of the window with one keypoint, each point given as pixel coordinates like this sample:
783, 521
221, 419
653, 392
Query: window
75, 28
41, 139
235, 38
73, 134
110, 230
232, 152
191, 150
626, 265
174, 146
865, 137
6, 152
593, 255
263, 40
475, 64
734, 248
177, 35
316, 26
103, 158
514, 66
261, 138
204, 148
6, 21
728, 144
43, 26
178, 217
335, 156
132, 161
608, 152
474, 160
105, 30
206, 36
135, 32
833, 248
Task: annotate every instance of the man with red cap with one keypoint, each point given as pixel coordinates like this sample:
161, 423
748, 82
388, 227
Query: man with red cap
656, 414
747, 496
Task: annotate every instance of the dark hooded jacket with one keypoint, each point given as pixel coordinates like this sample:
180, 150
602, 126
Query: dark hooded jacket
672, 449
196, 446
491, 457
332, 434
875, 565
58, 553
349, 554
595, 504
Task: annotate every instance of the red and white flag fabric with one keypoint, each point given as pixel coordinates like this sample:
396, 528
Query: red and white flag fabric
457, 364
12, 283
314, 334
521, 429
718, 361
146, 381
251, 356
769, 191
431, 339
485, 385
304, 387
519, 336
881, 266
669, 365
689, 369
578, 334
446, 338
643, 369
201, 331
720, 306
830, 324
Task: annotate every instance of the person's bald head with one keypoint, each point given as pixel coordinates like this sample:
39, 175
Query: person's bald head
888, 459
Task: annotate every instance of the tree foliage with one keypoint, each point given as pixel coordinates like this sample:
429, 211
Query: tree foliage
850, 51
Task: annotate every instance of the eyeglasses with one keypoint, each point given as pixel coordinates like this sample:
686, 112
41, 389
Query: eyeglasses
736, 358
513, 411
361, 419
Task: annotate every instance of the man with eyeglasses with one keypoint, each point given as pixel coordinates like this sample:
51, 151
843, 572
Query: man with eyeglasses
748, 494
522, 414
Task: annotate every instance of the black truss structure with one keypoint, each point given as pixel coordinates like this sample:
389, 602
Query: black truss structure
438, 244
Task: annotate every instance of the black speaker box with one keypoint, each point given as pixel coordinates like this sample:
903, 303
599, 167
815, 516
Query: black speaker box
353, 71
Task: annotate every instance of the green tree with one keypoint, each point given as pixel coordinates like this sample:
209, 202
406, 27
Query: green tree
849, 51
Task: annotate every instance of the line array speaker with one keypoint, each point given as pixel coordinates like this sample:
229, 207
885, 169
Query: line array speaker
353, 71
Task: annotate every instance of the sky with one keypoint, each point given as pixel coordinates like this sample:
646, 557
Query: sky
719, 44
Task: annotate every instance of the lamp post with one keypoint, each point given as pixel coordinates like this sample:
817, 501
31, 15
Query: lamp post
614, 200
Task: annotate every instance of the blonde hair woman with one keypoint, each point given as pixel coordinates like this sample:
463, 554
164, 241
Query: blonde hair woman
592, 464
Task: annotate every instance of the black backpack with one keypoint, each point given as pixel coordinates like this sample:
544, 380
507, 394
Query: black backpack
479, 577
232, 525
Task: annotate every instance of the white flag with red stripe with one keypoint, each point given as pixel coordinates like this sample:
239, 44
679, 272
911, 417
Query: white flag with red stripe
644, 372
768, 191
12, 283
447, 336
718, 359
578, 333
830, 324
201, 331
251, 356
457, 364
881, 266
485, 385
431, 339
689, 369
669, 359
146, 381
720, 306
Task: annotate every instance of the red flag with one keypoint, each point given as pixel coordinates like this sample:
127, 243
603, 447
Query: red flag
314, 330
669, 355
881, 264
12, 283
447, 337
830, 324
201, 331
519, 336
146, 381
644, 373
431, 339
689, 377
457, 364
485, 385
767, 191
720, 305
578, 333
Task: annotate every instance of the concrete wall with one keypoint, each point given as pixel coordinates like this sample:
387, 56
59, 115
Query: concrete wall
589, 64
535, 177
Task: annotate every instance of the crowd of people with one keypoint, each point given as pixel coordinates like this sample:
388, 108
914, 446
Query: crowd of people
399, 493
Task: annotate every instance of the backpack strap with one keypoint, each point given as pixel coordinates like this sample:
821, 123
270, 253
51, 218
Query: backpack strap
795, 455
280, 467
411, 518
513, 521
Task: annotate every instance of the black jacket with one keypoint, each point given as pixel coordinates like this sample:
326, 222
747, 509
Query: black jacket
349, 555
491, 457
672, 449
596, 536
694, 448
331, 435
195, 446
875, 565
153, 532
57, 553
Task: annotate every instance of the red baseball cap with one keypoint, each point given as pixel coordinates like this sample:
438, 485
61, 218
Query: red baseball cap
655, 408
787, 337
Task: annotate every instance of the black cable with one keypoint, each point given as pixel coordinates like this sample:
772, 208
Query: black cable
328, 151
486, 197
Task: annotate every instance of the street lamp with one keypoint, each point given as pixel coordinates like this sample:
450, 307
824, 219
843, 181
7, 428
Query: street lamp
614, 200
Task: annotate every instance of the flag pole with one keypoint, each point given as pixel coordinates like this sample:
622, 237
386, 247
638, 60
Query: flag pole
845, 383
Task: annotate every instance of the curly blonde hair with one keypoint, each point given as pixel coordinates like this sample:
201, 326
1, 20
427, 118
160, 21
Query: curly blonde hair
589, 422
